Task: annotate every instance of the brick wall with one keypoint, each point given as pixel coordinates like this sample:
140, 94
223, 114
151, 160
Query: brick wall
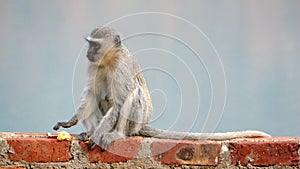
20, 150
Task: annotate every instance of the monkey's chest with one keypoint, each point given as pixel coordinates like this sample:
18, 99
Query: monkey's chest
101, 89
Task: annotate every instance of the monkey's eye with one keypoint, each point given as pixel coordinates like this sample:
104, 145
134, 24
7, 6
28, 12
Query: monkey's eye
97, 46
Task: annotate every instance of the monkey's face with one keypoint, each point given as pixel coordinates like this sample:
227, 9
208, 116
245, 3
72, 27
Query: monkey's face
93, 53
101, 41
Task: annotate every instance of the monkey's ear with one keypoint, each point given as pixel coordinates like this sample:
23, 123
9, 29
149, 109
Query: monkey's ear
117, 41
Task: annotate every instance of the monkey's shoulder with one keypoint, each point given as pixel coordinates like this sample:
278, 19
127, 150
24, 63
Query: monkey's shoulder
110, 59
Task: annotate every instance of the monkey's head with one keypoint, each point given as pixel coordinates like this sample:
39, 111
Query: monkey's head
101, 41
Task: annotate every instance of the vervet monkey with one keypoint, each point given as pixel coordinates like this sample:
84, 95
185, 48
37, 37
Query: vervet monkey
116, 103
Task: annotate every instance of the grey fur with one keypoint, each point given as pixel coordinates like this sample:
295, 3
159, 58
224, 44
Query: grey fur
116, 103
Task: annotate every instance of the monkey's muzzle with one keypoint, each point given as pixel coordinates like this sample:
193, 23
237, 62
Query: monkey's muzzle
91, 57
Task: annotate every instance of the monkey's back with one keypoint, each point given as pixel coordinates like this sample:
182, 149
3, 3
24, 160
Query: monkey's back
130, 73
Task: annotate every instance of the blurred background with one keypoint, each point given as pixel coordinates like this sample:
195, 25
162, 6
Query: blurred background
210, 66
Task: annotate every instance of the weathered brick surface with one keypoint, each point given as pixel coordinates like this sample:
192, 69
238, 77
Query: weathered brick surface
39, 150
186, 152
267, 153
19, 150
14, 167
118, 151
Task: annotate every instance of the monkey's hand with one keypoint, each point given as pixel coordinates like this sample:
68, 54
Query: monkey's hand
61, 124
73, 121
84, 136
57, 126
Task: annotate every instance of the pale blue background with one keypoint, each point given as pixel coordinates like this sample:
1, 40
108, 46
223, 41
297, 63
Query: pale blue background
258, 43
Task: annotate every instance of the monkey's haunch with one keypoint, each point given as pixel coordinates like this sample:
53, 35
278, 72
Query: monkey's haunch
165, 134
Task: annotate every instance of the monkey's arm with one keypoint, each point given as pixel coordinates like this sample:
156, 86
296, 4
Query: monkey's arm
88, 104
158, 133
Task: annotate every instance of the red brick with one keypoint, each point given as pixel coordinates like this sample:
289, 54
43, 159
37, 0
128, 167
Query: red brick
39, 150
266, 153
12, 167
186, 152
119, 151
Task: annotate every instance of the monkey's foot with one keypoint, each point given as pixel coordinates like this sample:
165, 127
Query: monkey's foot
108, 138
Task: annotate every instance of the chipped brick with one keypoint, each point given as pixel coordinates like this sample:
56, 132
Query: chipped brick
186, 152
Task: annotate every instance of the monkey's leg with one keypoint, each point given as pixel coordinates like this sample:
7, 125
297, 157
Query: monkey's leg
90, 124
130, 118
117, 116
121, 127
73, 121
106, 125
133, 113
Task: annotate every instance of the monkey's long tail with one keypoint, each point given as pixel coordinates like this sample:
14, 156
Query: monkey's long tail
165, 134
